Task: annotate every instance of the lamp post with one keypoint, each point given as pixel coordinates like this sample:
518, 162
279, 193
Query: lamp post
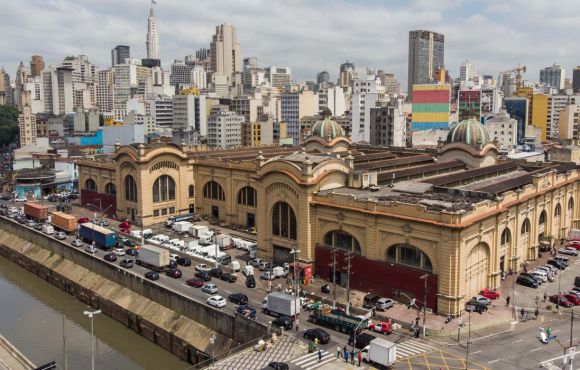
424, 278
468, 342
294, 253
91, 315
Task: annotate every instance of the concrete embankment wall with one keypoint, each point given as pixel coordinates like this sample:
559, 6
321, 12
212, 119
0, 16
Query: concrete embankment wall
172, 320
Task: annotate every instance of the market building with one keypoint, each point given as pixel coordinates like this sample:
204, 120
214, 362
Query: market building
460, 214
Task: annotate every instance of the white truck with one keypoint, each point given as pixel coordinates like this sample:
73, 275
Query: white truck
380, 352
153, 258
197, 230
181, 227
281, 304
48, 229
224, 241
206, 238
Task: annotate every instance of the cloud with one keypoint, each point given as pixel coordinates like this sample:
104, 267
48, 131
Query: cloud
307, 35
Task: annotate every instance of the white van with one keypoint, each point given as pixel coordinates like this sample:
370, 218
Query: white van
47, 229
248, 270
235, 266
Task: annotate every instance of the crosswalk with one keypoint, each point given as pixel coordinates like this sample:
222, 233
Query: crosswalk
310, 360
412, 347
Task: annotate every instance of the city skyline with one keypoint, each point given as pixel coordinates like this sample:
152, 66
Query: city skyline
367, 40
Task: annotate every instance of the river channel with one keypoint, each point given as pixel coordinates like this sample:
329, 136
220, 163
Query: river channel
31, 317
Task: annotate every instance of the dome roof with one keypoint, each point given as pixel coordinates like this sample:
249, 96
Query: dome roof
469, 132
327, 128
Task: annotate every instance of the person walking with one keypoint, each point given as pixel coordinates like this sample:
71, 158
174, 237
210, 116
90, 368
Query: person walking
545, 296
359, 358
297, 324
549, 332
507, 301
319, 355
338, 352
522, 311
537, 313
346, 356
525, 316
352, 356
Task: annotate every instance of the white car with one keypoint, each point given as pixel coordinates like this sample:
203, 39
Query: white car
539, 275
173, 257
20, 199
60, 235
91, 249
569, 251
77, 243
202, 267
119, 251
209, 288
384, 304
216, 301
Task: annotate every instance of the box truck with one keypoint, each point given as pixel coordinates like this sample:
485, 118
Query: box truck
181, 227
153, 258
36, 211
281, 304
173, 219
197, 230
380, 352
103, 238
64, 222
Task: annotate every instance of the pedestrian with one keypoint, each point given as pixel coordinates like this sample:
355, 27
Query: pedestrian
352, 356
545, 296
373, 311
319, 355
507, 301
338, 352
526, 316
522, 311
316, 341
549, 332
359, 358
346, 356
297, 324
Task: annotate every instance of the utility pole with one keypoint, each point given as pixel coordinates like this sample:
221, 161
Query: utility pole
424, 277
333, 265
348, 266
64, 357
468, 342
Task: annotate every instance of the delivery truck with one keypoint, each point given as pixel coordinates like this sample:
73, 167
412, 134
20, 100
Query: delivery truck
281, 304
103, 238
337, 319
197, 230
181, 227
36, 211
153, 258
380, 352
173, 219
64, 222
224, 241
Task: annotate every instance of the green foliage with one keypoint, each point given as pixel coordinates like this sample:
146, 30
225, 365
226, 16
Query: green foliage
8, 125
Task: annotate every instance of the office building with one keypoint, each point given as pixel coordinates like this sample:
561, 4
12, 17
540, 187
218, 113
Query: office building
128, 79
202, 54
36, 66
503, 130
347, 74
331, 97
517, 108
199, 77
189, 112
180, 73
6, 95
120, 54
295, 105
58, 90
36, 88
390, 82
19, 81
322, 77
569, 123
553, 76
491, 100
430, 106
365, 94
225, 51
576, 80
86, 120
27, 121
426, 56
152, 43
539, 119
388, 125
467, 72
162, 110
105, 90
468, 104
224, 128
278, 77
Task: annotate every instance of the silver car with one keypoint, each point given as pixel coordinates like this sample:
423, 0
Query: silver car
481, 299
60, 235
384, 304
210, 288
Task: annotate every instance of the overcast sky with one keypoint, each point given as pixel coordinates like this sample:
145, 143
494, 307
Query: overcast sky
307, 35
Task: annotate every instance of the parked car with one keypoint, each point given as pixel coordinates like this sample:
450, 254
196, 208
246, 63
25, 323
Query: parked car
183, 261
216, 301
31, 224
83, 220
174, 273
126, 263
569, 251
267, 275
216, 272
202, 267
277, 365
119, 251
562, 300
195, 282
152, 275
263, 266
362, 340
573, 298
77, 243
557, 264
203, 275
537, 279
110, 257
480, 299
91, 249
490, 293
539, 275
255, 262
38, 227
322, 336
238, 298
246, 311
527, 281
131, 252
130, 243
210, 288
250, 281
384, 304
283, 322
230, 278
370, 300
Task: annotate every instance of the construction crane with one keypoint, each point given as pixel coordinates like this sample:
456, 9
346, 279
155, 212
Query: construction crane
518, 74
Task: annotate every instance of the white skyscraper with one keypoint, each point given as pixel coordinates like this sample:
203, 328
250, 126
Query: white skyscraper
152, 36
225, 51
467, 71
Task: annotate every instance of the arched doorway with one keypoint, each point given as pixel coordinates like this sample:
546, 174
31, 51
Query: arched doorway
342, 240
556, 229
477, 270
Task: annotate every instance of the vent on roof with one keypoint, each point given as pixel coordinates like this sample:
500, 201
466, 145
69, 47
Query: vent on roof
412, 187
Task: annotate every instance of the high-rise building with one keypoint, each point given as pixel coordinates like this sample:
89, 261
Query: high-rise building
468, 104
517, 108
503, 129
21, 75
569, 123
26, 121
331, 97
539, 117
36, 65
554, 76
225, 51
36, 88
556, 104
278, 76
189, 112
180, 73
491, 100
576, 79
105, 90
199, 77
202, 53
127, 79
119, 54
467, 72
294, 106
388, 124
152, 36
5, 89
322, 77
390, 82
58, 90
426, 56
224, 128
431, 106
347, 74
365, 94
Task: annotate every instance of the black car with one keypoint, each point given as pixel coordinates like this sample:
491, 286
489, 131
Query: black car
535, 278
183, 261
475, 306
172, 264
216, 272
238, 298
152, 275
131, 252
526, 281
283, 322
557, 264
278, 365
362, 340
246, 311
110, 257
322, 336
204, 275
130, 243
230, 278
250, 282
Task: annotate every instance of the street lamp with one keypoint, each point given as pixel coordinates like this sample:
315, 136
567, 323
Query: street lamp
91, 315
424, 278
294, 252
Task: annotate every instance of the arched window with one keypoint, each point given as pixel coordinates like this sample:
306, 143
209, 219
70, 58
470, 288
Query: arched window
191, 191
130, 189
90, 184
408, 255
163, 189
248, 196
284, 221
542, 218
506, 237
526, 227
342, 240
213, 190
110, 189
557, 210
571, 204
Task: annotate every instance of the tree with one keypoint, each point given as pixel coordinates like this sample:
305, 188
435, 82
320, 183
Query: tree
8, 125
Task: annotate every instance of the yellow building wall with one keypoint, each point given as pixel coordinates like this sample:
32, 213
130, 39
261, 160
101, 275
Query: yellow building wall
539, 114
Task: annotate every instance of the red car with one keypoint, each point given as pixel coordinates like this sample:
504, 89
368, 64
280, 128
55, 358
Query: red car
174, 273
574, 244
489, 294
563, 301
83, 220
125, 225
195, 282
573, 298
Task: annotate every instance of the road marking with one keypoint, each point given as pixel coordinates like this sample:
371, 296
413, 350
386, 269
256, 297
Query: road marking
519, 340
537, 349
321, 363
473, 353
491, 362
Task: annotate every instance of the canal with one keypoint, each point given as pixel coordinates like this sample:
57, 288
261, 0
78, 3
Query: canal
31, 317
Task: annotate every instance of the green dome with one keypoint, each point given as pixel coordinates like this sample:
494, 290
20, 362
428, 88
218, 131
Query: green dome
469, 132
327, 129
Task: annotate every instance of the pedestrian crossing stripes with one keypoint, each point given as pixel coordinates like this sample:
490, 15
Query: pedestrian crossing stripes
310, 361
412, 347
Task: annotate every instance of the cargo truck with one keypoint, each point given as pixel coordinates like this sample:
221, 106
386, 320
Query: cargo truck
224, 241
380, 352
64, 222
197, 230
173, 219
103, 238
36, 211
337, 319
153, 258
181, 227
281, 304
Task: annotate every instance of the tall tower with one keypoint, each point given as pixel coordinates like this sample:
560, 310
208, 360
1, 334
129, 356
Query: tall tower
119, 53
426, 56
152, 37
36, 65
225, 50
